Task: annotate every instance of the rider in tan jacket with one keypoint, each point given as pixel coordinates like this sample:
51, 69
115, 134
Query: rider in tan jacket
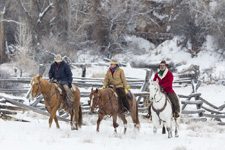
115, 77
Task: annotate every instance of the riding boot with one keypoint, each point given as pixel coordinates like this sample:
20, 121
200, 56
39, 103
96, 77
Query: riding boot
122, 97
175, 104
68, 92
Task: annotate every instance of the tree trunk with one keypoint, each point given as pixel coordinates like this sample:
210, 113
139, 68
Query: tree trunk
2, 39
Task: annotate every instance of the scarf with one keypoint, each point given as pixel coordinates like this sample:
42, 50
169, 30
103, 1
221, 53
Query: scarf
160, 73
113, 70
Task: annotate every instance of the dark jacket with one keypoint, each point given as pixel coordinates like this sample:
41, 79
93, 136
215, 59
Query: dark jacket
63, 74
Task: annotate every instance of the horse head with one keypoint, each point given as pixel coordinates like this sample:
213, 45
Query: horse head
154, 90
35, 86
94, 99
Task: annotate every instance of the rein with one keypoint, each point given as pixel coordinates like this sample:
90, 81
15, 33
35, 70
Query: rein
47, 100
103, 106
158, 111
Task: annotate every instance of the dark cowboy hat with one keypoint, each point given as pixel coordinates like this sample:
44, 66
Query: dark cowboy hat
163, 63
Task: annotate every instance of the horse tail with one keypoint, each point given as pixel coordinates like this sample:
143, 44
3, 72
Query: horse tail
80, 117
137, 118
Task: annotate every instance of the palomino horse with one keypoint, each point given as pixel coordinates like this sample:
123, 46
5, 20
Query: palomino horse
106, 100
53, 101
161, 109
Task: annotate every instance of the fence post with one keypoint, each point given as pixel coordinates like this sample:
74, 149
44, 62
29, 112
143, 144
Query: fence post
84, 70
148, 76
194, 81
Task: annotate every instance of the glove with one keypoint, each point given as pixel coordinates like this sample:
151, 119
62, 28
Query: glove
70, 85
126, 91
54, 80
103, 87
128, 87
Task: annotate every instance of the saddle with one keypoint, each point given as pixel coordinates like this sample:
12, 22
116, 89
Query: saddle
62, 91
129, 95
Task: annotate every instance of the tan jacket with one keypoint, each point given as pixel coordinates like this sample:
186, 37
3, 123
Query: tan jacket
118, 79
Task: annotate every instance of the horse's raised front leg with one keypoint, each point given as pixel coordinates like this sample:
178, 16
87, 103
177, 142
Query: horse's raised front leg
155, 122
53, 114
100, 117
114, 123
124, 122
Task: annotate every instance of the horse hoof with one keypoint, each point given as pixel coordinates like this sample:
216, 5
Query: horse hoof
74, 128
154, 130
176, 136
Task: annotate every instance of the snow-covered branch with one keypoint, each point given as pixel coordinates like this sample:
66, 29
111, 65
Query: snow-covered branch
11, 21
41, 14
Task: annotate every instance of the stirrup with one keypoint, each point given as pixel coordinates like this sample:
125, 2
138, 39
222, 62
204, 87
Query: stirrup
176, 115
148, 116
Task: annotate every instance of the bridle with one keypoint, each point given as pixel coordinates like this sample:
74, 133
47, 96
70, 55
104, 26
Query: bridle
164, 106
38, 88
154, 97
99, 104
97, 99
40, 85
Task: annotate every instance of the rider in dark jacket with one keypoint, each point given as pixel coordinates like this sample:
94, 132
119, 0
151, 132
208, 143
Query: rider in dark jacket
60, 71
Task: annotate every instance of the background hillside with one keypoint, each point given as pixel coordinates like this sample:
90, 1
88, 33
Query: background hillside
182, 31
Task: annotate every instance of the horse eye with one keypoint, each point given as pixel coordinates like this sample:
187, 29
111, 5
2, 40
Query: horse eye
36, 83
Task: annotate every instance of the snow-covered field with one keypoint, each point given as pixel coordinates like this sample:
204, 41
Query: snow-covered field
37, 135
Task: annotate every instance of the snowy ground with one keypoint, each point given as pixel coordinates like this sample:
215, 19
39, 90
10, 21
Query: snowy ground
37, 135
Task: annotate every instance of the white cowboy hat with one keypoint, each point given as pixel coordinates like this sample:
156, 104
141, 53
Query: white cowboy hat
114, 62
58, 58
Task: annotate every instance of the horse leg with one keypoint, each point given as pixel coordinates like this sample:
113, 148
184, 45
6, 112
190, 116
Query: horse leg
169, 127
169, 132
134, 116
124, 122
114, 122
100, 117
53, 114
56, 121
76, 116
155, 122
176, 128
72, 120
154, 129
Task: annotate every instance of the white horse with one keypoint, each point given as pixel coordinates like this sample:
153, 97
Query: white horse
161, 110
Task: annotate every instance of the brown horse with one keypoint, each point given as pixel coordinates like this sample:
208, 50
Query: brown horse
53, 101
107, 101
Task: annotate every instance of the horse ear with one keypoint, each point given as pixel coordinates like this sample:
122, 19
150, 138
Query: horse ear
96, 91
39, 77
91, 90
33, 75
